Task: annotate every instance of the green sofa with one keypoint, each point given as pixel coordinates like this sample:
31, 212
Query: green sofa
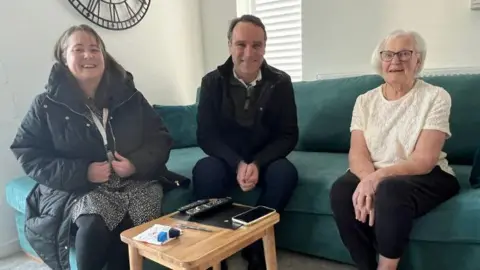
447, 238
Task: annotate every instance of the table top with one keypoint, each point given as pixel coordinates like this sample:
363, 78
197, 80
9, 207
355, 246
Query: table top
196, 248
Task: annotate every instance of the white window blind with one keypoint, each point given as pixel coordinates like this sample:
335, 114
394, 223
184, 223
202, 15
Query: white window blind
283, 23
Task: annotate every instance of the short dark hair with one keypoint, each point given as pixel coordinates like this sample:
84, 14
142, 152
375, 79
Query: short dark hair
246, 18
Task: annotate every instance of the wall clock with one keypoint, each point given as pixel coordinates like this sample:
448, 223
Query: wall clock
112, 14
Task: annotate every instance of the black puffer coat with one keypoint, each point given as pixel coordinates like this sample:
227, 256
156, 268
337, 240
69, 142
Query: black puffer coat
56, 143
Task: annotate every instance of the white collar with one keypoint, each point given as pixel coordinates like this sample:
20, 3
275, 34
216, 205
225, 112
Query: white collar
253, 83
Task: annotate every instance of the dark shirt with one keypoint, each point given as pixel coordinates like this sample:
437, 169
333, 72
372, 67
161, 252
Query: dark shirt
245, 101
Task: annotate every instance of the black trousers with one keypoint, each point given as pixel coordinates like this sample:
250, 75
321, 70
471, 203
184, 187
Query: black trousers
398, 201
96, 246
213, 178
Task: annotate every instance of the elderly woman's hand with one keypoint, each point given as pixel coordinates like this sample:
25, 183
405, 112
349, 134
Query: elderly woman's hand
364, 196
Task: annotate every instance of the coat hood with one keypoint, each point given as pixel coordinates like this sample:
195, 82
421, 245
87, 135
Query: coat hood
114, 88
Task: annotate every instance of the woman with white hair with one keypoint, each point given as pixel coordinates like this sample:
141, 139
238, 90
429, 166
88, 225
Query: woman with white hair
397, 169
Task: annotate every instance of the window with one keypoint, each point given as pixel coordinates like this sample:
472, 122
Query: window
283, 23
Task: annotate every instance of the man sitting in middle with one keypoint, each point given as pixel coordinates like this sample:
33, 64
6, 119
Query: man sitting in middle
247, 125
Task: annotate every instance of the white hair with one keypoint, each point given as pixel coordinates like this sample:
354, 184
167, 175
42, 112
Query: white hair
419, 45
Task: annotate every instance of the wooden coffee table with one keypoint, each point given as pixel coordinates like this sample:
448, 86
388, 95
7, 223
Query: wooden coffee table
199, 249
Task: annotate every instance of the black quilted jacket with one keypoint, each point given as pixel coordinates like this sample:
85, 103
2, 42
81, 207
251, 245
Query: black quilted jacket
56, 142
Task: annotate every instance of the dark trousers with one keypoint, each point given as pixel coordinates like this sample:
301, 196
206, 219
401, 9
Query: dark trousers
397, 201
213, 178
96, 246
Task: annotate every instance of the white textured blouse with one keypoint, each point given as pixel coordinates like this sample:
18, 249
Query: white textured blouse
392, 127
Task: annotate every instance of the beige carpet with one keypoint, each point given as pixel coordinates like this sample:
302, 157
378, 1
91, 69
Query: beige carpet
286, 261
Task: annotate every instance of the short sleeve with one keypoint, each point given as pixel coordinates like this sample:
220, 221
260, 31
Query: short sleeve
358, 116
438, 118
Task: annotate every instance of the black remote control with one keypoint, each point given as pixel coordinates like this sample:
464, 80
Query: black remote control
192, 205
213, 204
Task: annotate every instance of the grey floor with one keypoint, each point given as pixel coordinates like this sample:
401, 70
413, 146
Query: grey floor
286, 260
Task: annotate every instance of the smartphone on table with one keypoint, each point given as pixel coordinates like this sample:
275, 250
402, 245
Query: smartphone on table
253, 215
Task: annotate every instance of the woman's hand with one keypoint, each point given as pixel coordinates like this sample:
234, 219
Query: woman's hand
122, 166
364, 195
99, 172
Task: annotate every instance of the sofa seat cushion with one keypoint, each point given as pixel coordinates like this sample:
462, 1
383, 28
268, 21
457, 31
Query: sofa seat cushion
317, 172
183, 160
17, 191
456, 220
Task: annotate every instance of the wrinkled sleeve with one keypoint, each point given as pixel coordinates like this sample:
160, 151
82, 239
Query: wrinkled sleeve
286, 133
208, 134
33, 148
154, 152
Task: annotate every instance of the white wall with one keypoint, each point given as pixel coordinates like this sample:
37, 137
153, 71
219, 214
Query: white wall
339, 36
164, 53
216, 16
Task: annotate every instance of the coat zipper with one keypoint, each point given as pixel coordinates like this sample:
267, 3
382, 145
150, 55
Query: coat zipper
111, 130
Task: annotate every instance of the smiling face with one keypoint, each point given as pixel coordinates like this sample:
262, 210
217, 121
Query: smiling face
400, 60
247, 48
84, 57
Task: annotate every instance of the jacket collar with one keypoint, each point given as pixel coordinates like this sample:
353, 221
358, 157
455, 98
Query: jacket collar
112, 91
267, 71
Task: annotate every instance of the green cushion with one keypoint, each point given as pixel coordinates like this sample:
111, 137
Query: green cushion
475, 173
183, 160
456, 220
465, 94
462, 172
325, 111
317, 172
181, 122
17, 191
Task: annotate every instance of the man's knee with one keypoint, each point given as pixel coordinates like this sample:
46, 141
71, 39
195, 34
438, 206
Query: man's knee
209, 176
282, 173
208, 169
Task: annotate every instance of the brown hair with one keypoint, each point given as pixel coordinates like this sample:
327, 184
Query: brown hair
59, 51
246, 18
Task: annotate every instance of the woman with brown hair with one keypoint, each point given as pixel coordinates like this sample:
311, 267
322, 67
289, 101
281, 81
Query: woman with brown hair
94, 145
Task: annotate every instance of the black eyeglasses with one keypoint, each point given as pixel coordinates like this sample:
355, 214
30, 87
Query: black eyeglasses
403, 56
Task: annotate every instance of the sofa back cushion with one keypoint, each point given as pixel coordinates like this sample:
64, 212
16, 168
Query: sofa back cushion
325, 107
464, 119
181, 122
325, 110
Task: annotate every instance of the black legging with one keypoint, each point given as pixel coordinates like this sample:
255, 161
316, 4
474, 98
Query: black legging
398, 201
96, 246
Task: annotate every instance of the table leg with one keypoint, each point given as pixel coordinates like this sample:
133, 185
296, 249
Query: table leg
270, 249
136, 260
217, 266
